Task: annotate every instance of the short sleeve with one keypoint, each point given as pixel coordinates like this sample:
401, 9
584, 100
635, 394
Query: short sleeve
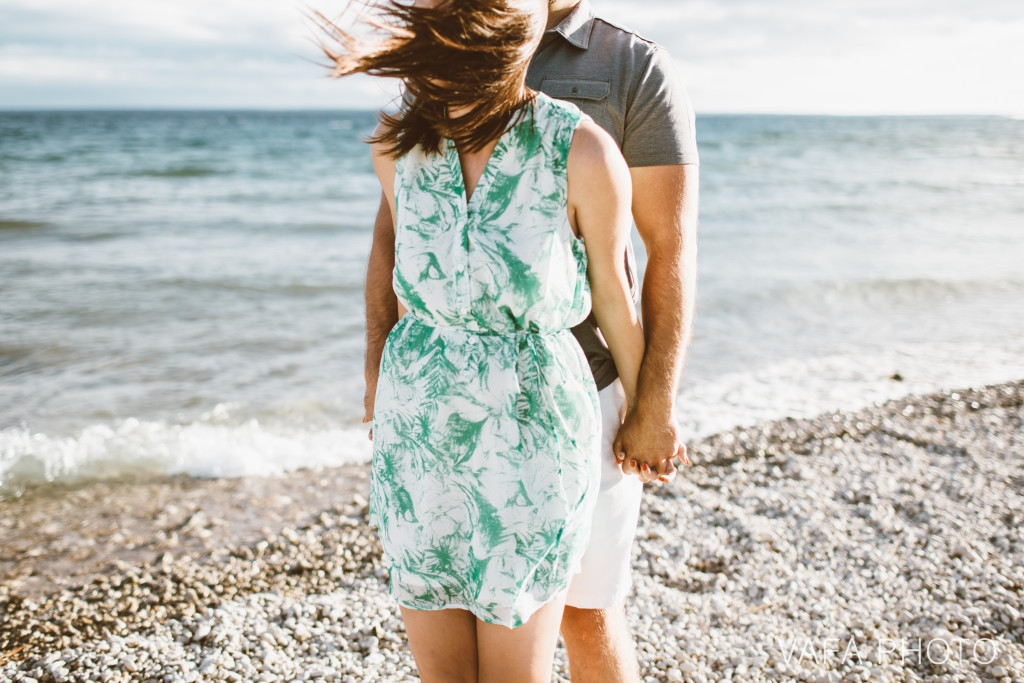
659, 122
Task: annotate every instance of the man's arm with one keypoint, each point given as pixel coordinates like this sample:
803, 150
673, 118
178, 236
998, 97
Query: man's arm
381, 302
665, 212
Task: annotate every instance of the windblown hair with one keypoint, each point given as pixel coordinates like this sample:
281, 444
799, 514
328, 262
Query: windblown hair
469, 54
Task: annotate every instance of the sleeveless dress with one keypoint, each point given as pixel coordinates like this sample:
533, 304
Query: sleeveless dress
486, 426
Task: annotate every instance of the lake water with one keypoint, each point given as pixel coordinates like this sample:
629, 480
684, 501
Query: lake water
182, 291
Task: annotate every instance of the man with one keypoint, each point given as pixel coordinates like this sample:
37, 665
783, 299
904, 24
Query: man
629, 87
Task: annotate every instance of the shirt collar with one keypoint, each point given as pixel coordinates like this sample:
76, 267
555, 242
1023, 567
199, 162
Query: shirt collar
576, 27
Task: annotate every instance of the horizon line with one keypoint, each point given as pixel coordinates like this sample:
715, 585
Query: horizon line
364, 110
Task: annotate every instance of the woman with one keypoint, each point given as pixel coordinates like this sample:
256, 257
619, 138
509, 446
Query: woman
511, 214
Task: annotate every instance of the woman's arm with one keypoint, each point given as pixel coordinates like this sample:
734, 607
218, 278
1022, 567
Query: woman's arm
384, 166
379, 271
600, 193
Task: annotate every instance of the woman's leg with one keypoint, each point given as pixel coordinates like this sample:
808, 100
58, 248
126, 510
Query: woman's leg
443, 643
520, 655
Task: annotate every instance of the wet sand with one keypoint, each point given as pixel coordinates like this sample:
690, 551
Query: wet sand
58, 537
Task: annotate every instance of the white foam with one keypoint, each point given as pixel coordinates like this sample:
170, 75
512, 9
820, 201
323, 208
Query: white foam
202, 449
809, 387
220, 444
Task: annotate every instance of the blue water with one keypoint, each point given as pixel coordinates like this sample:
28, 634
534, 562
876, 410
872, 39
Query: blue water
183, 291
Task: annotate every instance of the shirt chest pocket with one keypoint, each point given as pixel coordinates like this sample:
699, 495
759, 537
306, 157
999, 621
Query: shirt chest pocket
590, 96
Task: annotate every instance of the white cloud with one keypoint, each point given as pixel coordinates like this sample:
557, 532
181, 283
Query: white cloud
186, 53
844, 56
185, 21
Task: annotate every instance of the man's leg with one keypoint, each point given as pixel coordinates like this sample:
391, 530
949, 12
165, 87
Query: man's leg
600, 645
597, 637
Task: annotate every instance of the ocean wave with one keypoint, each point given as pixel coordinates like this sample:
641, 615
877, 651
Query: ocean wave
204, 448
916, 287
98, 236
22, 225
998, 181
283, 288
807, 387
891, 291
223, 443
181, 172
17, 360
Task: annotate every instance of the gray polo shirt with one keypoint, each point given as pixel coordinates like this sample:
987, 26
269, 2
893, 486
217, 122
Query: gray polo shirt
629, 86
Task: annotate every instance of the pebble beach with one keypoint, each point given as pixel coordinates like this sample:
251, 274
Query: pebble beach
883, 544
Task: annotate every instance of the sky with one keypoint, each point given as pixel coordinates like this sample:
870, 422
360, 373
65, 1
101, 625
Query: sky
735, 56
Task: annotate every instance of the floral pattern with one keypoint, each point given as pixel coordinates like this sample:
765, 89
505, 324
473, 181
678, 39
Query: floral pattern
486, 419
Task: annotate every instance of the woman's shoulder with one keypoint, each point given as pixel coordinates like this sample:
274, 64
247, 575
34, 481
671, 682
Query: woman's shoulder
382, 150
591, 144
379, 148
595, 161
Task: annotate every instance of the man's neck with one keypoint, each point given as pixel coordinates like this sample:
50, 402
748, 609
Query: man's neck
559, 10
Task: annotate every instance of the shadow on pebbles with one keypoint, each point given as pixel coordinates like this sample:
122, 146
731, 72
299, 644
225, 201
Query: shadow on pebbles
878, 545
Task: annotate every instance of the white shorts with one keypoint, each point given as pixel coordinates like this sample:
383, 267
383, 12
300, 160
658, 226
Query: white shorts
604, 580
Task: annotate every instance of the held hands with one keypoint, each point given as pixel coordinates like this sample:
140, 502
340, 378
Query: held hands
646, 445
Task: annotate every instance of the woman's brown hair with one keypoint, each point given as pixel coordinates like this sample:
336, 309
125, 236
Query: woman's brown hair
460, 54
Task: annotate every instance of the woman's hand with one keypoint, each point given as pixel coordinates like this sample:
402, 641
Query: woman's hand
660, 432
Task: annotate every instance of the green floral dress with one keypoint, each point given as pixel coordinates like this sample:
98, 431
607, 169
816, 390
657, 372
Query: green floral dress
486, 425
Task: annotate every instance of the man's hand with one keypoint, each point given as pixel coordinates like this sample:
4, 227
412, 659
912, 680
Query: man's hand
368, 398
646, 446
